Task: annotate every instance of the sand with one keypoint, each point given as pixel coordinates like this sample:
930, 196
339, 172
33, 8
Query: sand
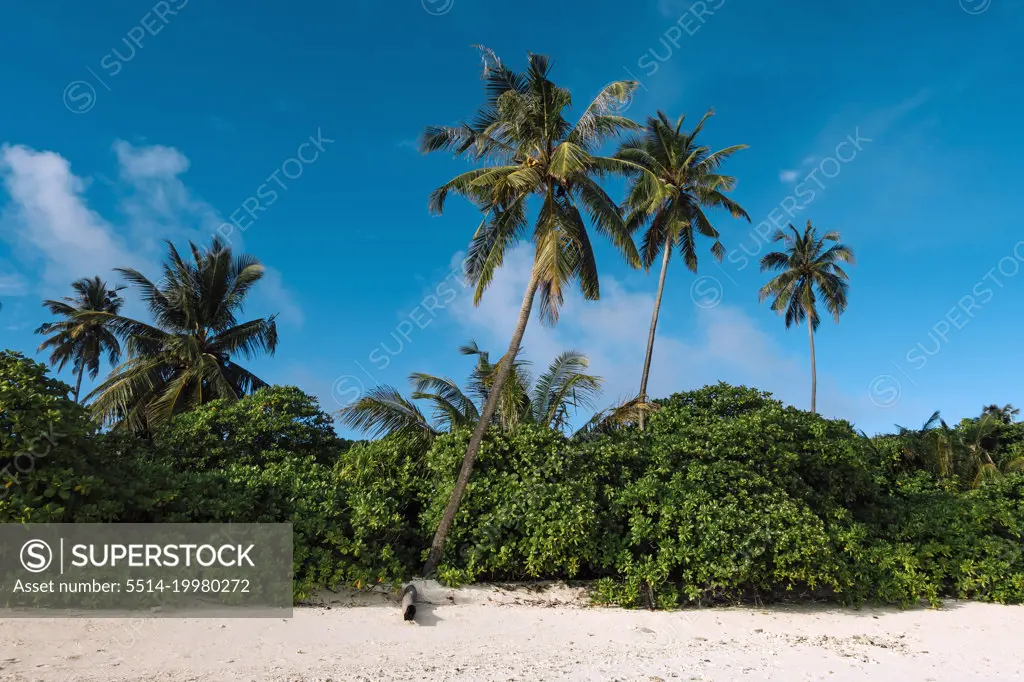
495, 635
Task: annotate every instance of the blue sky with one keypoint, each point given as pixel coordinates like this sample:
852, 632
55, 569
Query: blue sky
137, 121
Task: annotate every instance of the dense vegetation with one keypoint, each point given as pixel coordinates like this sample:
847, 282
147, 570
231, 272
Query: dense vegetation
537, 175
717, 494
725, 494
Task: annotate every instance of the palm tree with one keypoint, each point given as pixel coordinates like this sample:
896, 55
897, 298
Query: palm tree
935, 444
963, 453
809, 268
616, 418
1004, 415
74, 339
513, 402
527, 149
185, 358
687, 184
563, 388
564, 385
975, 436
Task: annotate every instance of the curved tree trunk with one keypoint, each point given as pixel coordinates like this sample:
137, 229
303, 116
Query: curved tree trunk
654, 326
500, 377
814, 371
78, 384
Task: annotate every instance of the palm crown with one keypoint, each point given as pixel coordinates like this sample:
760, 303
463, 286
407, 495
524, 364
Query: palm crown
563, 387
1004, 415
80, 341
529, 149
687, 184
963, 453
184, 358
810, 268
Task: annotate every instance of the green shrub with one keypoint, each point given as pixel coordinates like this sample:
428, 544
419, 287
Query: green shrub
385, 489
529, 510
726, 495
271, 425
51, 455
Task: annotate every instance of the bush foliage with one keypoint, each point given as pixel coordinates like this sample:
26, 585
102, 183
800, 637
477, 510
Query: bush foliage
726, 495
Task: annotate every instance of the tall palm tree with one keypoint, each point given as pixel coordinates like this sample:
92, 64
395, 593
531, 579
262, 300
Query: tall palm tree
562, 389
809, 269
688, 183
528, 149
74, 339
186, 357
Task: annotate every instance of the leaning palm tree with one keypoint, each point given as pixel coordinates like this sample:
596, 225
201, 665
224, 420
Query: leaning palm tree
187, 356
554, 397
809, 268
688, 183
75, 340
529, 150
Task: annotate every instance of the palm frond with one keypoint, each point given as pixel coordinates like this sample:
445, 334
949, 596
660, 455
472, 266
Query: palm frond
616, 418
564, 385
384, 411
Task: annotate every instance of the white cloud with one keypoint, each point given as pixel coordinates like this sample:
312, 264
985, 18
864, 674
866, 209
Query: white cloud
156, 201
47, 218
49, 221
161, 205
156, 161
788, 175
671, 9
278, 299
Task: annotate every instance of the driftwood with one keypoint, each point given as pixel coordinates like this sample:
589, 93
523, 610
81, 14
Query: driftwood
409, 602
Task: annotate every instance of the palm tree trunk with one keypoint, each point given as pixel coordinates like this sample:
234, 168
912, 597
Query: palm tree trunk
814, 370
78, 384
500, 377
654, 326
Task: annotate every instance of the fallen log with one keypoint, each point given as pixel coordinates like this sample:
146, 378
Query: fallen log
409, 602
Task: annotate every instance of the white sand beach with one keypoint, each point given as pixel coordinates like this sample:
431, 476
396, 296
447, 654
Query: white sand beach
512, 639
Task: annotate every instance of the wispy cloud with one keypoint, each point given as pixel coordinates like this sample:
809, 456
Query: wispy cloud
155, 199
160, 203
12, 284
726, 344
788, 175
